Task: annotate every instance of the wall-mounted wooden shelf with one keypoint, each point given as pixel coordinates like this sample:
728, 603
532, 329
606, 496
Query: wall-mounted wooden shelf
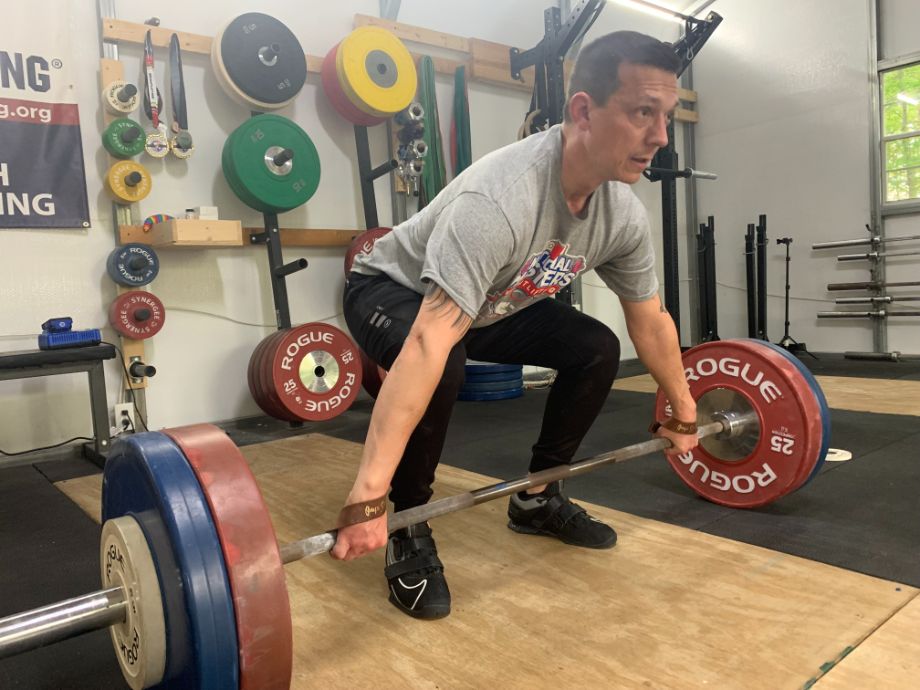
181, 232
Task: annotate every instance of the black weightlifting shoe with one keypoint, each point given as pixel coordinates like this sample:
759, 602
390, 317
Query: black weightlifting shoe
553, 514
415, 573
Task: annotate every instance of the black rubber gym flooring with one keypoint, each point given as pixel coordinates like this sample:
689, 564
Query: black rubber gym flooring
837, 365
49, 551
860, 515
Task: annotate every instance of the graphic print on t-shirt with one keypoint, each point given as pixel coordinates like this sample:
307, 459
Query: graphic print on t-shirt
542, 275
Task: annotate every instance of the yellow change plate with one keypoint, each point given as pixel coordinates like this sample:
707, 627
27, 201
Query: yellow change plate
376, 71
128, 181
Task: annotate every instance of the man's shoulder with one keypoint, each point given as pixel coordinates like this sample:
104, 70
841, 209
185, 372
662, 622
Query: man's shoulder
498, 170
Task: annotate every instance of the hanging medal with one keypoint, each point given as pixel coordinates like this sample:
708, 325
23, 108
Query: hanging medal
157, 144
181, 143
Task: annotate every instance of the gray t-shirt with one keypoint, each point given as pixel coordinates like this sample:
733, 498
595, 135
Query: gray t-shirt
500, 236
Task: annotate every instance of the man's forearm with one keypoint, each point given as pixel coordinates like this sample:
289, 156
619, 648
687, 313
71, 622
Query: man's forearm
659, 349
403, 399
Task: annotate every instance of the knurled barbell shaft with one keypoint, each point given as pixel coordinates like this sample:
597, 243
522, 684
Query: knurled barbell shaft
321, 543
65, 619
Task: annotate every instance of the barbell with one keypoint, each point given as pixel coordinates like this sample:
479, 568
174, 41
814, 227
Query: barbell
193, 585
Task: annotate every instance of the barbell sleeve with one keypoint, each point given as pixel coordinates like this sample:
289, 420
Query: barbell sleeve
61, 621
702, 174
103, 608
670, 173
846, 243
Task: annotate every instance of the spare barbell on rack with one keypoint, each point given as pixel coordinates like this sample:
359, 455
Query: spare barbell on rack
893, 356
871, 285
875, 256
874, 240
194, 588
877, 299
874, 314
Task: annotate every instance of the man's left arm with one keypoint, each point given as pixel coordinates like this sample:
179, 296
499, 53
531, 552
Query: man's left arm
652, 331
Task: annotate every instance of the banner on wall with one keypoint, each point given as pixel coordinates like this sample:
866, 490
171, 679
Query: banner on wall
42, 178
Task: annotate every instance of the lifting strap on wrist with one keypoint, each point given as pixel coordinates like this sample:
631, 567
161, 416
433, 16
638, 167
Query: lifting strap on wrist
675, 425
364, 511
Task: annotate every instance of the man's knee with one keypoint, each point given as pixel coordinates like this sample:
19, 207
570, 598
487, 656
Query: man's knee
600, 346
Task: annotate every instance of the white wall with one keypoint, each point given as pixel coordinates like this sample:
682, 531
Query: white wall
218, 301
897, 28
784, 122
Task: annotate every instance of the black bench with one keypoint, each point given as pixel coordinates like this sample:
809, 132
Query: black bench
29, 363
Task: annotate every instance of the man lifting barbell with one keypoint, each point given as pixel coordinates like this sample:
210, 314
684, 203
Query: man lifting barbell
468, 277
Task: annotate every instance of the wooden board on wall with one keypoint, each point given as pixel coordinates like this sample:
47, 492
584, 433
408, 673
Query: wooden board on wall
486, 61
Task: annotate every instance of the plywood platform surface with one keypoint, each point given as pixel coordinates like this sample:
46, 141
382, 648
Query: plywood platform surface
890, 658
667, 608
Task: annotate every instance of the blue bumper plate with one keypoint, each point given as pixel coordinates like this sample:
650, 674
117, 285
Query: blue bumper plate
148, 477
822, 403
491, 395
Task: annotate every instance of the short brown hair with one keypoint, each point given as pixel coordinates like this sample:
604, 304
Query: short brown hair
598, 63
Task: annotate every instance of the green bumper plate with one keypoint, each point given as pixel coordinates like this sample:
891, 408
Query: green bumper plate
254, 164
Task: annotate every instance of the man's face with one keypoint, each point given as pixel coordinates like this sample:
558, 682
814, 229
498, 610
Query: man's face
632, 126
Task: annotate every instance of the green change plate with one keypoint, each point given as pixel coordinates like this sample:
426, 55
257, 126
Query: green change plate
123, 138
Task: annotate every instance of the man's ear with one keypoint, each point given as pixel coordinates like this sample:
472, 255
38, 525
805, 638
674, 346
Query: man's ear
579, 106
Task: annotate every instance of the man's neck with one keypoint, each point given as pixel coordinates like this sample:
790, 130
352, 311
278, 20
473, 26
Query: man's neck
577, 182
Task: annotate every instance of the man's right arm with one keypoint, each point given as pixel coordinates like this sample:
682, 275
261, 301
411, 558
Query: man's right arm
401, 403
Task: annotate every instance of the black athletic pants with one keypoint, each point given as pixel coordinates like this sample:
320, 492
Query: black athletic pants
583, 351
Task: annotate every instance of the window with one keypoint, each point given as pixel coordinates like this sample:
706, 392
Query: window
901, 132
